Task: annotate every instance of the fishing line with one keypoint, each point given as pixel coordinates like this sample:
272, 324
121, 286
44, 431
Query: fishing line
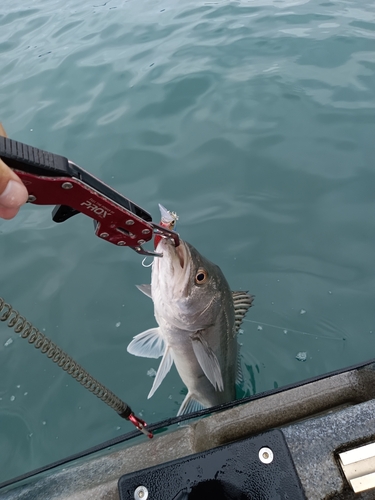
287, 330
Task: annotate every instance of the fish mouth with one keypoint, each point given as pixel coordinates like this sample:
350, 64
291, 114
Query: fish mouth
173, 253
175, 260
170, 277
181, 255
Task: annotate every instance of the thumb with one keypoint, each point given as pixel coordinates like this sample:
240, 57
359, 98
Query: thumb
13, 193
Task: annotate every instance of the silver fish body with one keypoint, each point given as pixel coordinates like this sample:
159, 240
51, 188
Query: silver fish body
198, 318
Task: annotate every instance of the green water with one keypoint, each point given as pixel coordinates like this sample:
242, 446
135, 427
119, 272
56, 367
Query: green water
254, 120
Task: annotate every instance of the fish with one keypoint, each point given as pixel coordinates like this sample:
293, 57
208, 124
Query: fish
198, 320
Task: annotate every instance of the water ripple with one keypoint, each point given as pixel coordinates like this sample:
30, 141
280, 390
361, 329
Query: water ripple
255, 122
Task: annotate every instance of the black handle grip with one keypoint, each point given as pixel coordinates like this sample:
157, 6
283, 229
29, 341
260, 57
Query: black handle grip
33, 160
41, 163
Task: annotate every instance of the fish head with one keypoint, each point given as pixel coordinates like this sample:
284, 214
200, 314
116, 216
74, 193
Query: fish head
186, 287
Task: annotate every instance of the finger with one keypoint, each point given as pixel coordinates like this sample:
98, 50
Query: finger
13, 193
8, 213
2, 130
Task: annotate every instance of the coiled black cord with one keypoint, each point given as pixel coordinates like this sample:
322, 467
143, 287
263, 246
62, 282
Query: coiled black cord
28, 331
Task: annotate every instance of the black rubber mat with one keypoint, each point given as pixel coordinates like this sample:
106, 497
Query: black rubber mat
231, 472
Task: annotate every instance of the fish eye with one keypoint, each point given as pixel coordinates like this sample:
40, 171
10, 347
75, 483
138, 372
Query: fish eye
201, 276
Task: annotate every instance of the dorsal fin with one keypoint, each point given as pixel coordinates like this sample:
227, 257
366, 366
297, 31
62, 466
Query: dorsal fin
242, 301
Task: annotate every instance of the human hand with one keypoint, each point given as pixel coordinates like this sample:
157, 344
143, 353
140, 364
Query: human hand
13, 193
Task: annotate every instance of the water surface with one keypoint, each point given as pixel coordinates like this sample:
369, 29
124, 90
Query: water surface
254, 120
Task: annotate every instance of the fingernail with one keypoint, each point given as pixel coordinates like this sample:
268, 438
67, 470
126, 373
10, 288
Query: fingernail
14, 195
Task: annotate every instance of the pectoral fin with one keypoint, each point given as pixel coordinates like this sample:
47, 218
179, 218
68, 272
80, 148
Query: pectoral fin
146, 289
189, 405
208, 361
163, 369
148, 344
